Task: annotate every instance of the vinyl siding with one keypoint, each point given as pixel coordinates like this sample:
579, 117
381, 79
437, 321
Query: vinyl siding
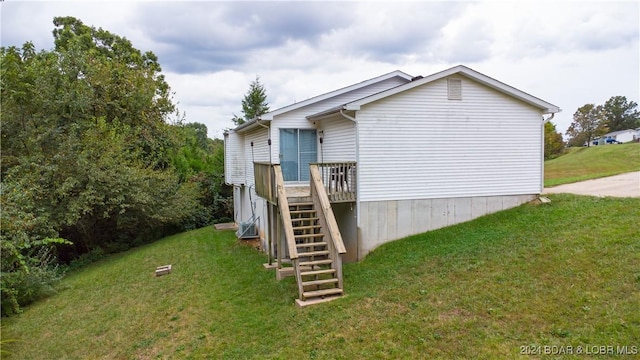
259, 153
339, 140
296, 119
418, 144
234, 162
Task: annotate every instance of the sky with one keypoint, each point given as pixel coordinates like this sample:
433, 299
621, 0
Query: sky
568, 53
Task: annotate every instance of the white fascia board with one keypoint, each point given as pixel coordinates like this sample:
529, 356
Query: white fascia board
315, 99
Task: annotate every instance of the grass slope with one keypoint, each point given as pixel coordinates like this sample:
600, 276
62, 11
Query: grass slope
559, 274
592, 162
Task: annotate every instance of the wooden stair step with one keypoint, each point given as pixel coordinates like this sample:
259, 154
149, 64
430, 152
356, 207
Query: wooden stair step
313, 253
320, 282
304, 219
324, 292
308, 236
303, 211
295, 200
306, 227
301, 203
295, 214
316, 262
310, 244
317, 272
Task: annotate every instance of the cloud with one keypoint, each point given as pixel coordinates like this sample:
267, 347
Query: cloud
568, 53
531, 30
465, 40
604, 28
213, 36
391, 32
217, 35
33, 20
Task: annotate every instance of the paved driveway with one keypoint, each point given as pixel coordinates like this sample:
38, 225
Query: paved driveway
623, 185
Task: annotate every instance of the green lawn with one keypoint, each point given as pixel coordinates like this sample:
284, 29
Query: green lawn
592, 162
560, 274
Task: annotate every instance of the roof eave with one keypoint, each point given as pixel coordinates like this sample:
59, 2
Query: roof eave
251, 124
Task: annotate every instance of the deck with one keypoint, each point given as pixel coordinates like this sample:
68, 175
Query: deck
338, 178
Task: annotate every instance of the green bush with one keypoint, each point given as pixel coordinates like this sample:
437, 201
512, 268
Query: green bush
29, 269
28, 263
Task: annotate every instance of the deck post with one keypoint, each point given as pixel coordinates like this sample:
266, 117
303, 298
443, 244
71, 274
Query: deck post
277, 241
270, 232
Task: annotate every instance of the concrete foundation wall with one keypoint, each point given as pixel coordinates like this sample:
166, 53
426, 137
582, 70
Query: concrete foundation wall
384, 221
345, 214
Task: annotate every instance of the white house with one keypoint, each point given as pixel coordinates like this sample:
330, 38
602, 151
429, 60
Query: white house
621, 136
397, 155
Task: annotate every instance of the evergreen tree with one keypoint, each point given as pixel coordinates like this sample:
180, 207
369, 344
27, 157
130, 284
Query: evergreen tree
254, 103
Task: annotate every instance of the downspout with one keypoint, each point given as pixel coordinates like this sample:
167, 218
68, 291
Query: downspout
358, 232
269, 209
350, 118
550, 118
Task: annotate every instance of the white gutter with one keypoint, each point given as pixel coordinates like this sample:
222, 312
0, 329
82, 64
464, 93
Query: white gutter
352, 119
258, 122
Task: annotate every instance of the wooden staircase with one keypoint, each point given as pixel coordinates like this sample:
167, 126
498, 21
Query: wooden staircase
307, 231
318, 274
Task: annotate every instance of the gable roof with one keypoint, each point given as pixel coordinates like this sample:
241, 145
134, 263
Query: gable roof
547, 108
269, 116
462, 70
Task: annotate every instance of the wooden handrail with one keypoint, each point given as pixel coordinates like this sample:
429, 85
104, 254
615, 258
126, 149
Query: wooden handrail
283, 205
319, 193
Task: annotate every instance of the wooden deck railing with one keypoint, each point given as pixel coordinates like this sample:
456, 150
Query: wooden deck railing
339, 179
265, 181
327, 220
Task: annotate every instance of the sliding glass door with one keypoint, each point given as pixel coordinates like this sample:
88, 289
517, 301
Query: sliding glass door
298, 148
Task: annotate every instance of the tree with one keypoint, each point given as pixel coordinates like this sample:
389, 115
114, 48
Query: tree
553, 144
587, 125
86, 155
200, 160
254, 103
620, 114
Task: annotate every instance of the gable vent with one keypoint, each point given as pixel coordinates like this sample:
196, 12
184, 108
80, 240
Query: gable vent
454, 88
